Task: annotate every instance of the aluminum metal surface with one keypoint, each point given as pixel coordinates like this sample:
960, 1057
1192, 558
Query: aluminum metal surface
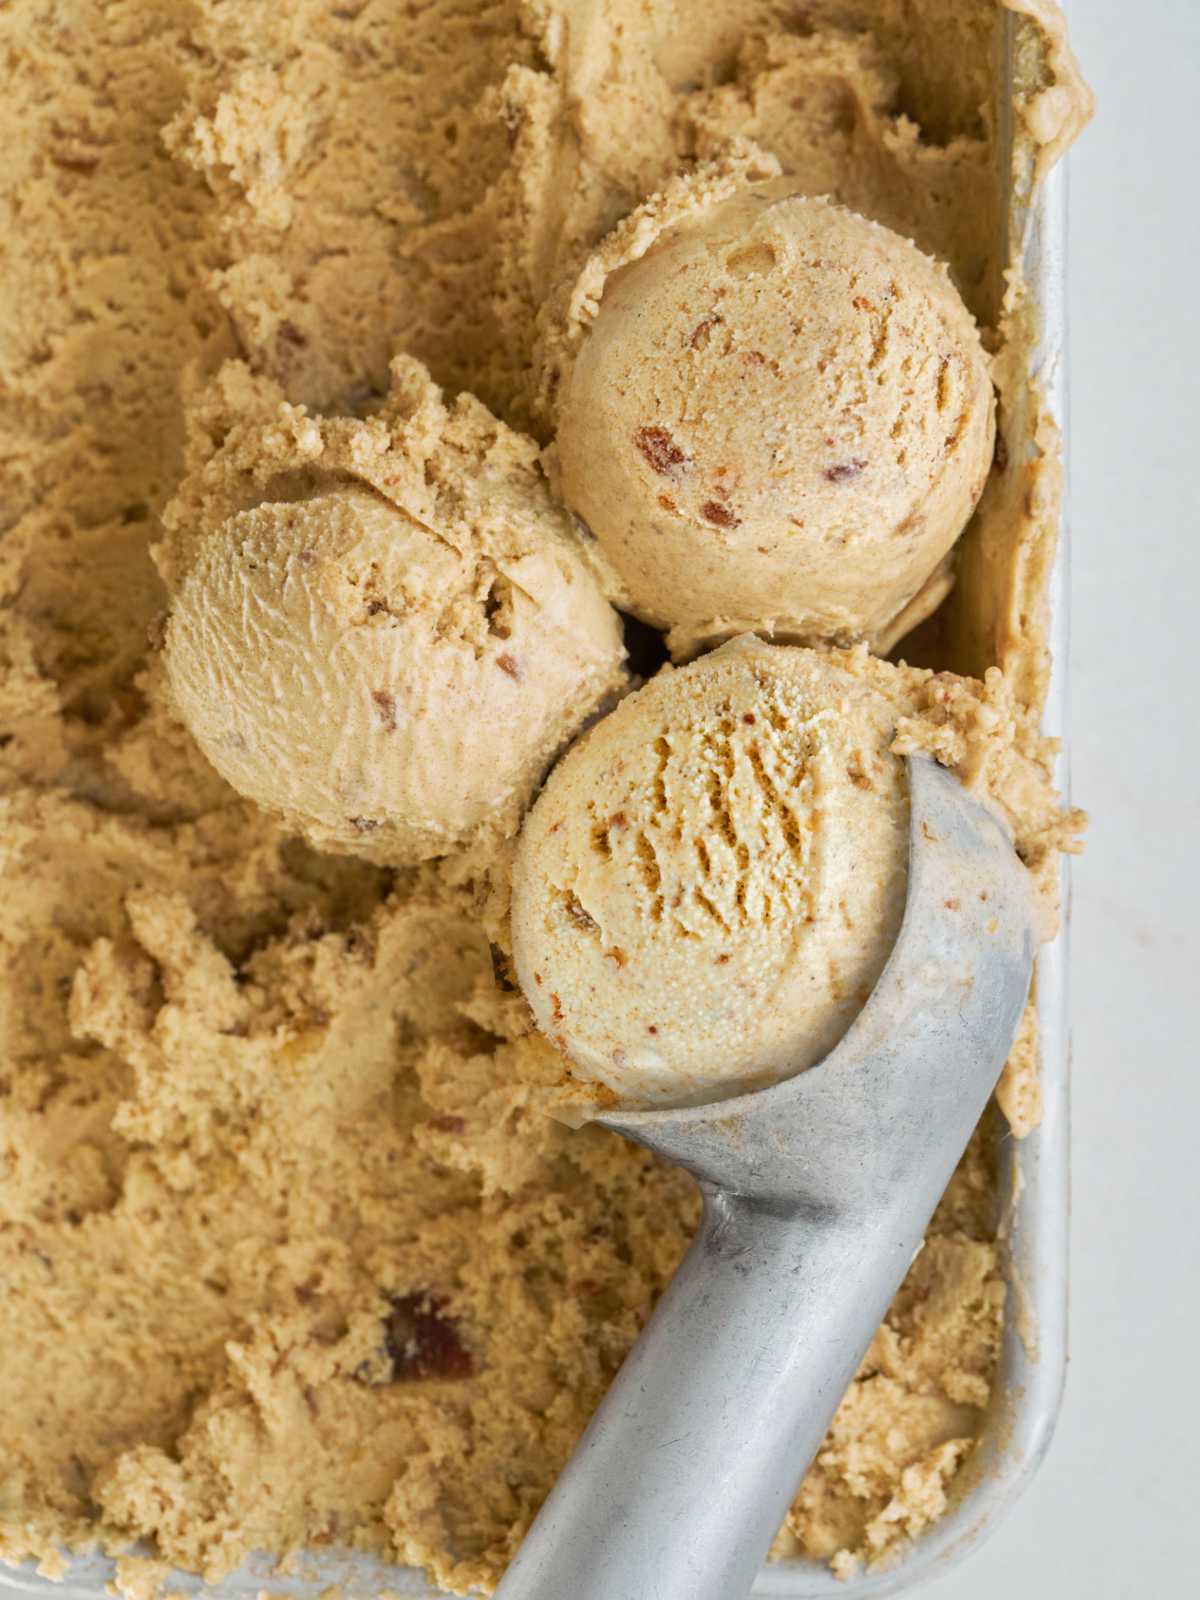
1034, 1199
817, 1193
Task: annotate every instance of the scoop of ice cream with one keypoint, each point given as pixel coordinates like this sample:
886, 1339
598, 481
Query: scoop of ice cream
391, 663
781, 415
712, 879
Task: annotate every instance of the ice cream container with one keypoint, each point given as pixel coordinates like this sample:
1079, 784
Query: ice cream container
1033, 1195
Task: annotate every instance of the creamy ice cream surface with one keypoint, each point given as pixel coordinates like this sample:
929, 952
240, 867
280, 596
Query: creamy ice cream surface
390, 643
712, 880
780, 415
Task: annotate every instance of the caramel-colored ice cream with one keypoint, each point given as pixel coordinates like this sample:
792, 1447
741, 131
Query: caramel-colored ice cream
293, 1258
384, 631
779, 416
712, 880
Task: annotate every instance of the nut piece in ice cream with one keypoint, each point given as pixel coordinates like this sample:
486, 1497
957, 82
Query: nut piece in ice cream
391, 644
781, 417
711, 882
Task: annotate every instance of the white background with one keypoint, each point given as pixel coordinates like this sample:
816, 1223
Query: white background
1115, 1510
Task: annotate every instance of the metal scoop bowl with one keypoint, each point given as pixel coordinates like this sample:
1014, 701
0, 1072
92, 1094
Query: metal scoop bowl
817, 1192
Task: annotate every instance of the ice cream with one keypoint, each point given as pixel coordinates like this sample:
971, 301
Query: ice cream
292, 1259
781, 416
709, 885
387, 646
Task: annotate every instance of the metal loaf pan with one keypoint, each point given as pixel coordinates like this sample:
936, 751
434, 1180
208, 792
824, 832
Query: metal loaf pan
1033, 1194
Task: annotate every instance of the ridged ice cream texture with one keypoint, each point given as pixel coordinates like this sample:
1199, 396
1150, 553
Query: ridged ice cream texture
713, 878
781, 417
393, 676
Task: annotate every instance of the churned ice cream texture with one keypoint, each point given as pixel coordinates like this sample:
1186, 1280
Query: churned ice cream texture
384, 630
712, 880
777, 414
293, 1258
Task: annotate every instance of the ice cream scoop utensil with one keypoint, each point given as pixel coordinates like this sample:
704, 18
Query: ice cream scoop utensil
817, 1192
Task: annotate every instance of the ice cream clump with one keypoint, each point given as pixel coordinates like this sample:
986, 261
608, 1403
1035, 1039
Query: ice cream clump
780, 416
382, 630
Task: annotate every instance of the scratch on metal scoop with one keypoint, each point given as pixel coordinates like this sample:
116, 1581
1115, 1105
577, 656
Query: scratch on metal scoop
817, 1192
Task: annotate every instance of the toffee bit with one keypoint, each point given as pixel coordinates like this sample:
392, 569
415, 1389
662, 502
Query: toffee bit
385, 704
577, 914
422, 1341
659, 449
844, 471
713, 511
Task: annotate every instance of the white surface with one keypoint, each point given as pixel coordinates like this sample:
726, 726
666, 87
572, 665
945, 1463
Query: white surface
1112, 1514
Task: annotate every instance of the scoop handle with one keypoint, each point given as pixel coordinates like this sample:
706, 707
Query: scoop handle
686, 1471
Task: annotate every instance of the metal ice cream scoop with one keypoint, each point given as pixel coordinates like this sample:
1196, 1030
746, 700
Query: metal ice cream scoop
816, 1192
